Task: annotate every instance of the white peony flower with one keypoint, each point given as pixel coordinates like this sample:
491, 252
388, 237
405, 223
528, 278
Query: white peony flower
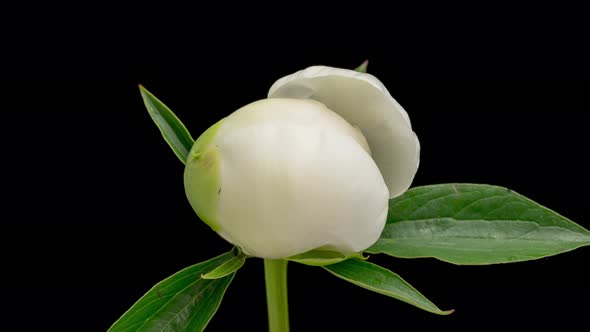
312, 167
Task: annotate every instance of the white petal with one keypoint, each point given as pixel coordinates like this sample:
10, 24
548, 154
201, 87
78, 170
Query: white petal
363, 101
295, 177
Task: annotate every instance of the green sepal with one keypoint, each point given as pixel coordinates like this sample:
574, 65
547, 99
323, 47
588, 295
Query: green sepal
319, 257
229, 267
363, 67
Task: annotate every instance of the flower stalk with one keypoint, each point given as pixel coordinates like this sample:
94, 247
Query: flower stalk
275, 275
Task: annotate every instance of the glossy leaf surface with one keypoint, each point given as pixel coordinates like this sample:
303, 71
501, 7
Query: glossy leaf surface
173, 130
378, 279
182, 302
475, 224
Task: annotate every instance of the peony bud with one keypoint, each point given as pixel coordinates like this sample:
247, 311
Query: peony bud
312, 167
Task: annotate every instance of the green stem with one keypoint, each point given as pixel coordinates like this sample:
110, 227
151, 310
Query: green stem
275, 275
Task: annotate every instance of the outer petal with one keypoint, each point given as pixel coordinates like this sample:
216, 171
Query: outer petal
363, 101
294, 177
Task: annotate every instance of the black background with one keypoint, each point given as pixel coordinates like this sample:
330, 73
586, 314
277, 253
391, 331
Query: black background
94, 207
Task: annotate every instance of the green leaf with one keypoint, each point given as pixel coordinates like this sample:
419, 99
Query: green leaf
474, 224
227, 268
378, 279
363, 67
174, 132
182, 302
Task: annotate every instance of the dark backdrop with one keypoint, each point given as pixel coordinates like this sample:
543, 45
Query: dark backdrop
95, 212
